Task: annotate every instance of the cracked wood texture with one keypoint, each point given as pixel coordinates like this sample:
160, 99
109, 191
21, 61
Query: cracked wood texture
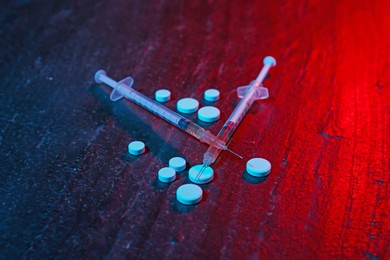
70, 190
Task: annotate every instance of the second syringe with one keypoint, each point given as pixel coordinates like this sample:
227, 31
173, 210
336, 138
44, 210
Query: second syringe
248, 94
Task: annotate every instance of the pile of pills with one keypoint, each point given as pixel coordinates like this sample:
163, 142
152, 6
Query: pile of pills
187, 194
207, 113
190, 194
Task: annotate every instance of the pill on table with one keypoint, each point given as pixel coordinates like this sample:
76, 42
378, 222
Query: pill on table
189, 194
258, 167
166, 174
209, 114
211, 95
187, 105
177, 163
136, 148
206, 177
162, 95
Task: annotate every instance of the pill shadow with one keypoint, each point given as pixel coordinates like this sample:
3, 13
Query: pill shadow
205, 193
206, 185
127, 120
188, 166
190, 116
253, 180
204, 124
162, 186
126, 156
204, 102
169, 104
182, 208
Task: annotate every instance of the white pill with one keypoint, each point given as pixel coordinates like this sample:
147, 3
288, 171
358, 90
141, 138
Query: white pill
206, 177
177, 163
187, 105
166, 174
209, 114
162, 95
189, 194
258, 167
211, 95
136, 148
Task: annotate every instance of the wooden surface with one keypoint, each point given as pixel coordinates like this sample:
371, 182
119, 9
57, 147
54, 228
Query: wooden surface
68, 188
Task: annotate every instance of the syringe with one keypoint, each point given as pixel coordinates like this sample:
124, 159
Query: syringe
123, 89
248, 94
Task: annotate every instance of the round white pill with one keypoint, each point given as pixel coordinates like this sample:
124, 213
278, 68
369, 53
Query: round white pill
177, 163
166, 174
189, 194
136, 148
209, 114
258, 167
211, 95
187, 105
162, 95
206, 177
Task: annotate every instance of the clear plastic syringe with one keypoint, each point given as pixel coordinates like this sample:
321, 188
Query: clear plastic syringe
123, 89
248, 94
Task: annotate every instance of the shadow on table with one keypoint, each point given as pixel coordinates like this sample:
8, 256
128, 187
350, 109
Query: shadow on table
253, 180
134, 126
181, 208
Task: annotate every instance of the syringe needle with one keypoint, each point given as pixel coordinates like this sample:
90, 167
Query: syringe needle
239, 156
204, 166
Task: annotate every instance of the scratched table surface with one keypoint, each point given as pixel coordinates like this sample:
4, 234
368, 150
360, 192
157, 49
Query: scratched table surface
69, 189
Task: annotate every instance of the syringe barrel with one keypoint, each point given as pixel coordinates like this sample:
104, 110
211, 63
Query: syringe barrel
179, 121
152, 106
123, 89
245, 104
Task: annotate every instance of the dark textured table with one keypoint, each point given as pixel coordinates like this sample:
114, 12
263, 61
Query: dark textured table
69, 189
